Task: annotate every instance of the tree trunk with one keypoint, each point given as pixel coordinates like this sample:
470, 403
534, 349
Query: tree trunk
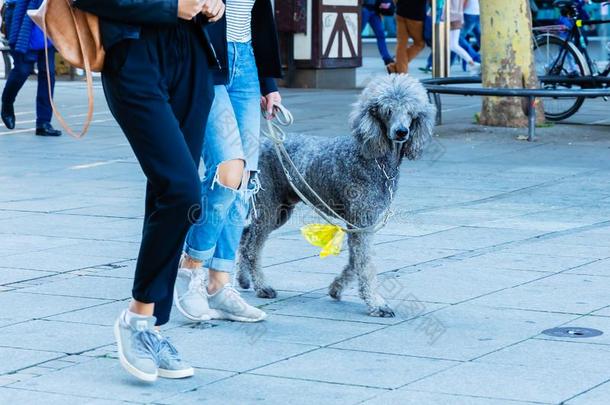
507, 60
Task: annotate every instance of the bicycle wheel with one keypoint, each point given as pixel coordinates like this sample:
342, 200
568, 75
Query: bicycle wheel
554, 57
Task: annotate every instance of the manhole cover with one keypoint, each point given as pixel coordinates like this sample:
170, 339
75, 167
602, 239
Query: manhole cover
573, 332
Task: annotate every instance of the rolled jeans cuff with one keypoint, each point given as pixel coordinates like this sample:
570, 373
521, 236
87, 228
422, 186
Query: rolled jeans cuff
200, 255
222, 265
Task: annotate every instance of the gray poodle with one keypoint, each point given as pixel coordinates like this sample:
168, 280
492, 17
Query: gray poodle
356, 175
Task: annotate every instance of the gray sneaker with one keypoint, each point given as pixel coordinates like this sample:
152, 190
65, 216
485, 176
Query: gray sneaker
136, 343
190, 295
171, 364
227, 303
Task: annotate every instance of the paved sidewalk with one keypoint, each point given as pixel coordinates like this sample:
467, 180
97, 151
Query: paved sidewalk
497, 240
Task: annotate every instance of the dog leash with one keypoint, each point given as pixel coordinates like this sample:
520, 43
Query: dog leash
283, 118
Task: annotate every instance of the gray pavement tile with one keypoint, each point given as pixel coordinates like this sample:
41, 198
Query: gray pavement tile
104, 314
58, 261
597, 396
19, 307
507, 381
523, 261
291, 329
11, 275
461, 332
25, 396
550, 354
354, 367
407, 396
233, 348
87, 286
597, 268
105, 379
571, 293
102, 248
25, 243
53, 336
591, 321
17, 359
352, 308
249, 389
469, 238
445, 283
554, 248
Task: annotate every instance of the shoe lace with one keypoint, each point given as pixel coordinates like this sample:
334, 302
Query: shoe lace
145, 342
165, 349
197, 283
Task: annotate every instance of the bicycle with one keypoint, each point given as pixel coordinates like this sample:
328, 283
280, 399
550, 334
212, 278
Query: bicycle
563, 62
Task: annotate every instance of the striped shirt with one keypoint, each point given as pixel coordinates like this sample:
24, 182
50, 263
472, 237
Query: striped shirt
239, 20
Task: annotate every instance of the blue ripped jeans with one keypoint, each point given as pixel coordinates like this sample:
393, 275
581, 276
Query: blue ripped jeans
232, 133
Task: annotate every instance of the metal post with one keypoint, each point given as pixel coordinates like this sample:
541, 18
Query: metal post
531, 114
441, 54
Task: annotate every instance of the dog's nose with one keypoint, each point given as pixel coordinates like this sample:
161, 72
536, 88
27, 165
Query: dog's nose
402, 134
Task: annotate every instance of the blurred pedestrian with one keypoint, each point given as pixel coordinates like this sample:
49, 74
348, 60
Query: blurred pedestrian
410, 16
28, 45
456, 22
472, 22
372, 17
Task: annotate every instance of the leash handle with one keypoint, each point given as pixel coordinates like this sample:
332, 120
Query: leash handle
281, 114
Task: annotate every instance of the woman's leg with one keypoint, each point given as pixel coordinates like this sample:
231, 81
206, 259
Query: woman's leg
454, 41
415, 30
402, 42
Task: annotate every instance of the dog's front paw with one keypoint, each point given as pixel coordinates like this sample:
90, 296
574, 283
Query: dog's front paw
383, 311
266, 292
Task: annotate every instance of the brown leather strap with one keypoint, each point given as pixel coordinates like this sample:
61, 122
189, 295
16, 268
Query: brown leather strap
88, 76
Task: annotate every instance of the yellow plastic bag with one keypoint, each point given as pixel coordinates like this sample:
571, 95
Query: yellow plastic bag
328, 237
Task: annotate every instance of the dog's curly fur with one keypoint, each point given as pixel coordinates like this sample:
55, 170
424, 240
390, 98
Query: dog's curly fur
344, 171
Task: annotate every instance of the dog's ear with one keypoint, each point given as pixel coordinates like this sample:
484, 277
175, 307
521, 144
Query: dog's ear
369, 128
421, 132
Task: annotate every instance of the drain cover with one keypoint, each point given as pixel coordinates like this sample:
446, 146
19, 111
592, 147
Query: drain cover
573, 332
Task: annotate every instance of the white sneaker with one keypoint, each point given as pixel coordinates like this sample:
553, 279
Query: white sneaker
227, 303
190, 295
475, 69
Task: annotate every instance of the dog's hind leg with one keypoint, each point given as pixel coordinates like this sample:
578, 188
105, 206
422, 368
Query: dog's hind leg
360, 256
341, 281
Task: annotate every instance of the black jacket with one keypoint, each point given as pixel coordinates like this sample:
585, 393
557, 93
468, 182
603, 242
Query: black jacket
264, 42
123, 19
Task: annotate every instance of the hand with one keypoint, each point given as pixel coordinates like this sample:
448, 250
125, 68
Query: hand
213, 9
188, 9
268, 101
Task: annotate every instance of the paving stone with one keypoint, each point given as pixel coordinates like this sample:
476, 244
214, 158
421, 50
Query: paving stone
554, 248
506, 381
272, 391
352, 308
104, 314
523, 261
55, 261
23, 396
105, 379
354, 367
53, 336
597, 396
406, 396
9, 275
449, 282
597, 268
461, 332
232, 348
87, 286
561, 293
17, 359
25, 306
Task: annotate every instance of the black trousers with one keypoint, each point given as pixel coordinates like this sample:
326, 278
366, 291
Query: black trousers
159, 90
